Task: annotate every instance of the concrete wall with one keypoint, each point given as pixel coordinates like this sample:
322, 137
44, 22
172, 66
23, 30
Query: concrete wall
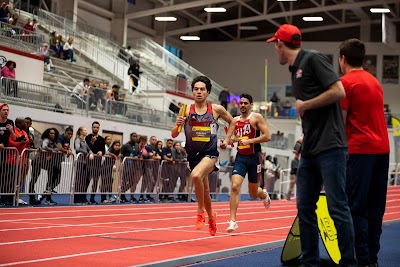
29, 67
241, 65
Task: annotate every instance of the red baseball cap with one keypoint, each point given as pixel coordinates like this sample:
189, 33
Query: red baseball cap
287, 33
3, 3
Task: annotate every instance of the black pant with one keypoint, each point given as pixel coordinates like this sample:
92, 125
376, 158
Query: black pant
130, 175
54, 173
106, 177
81, 180
366, 188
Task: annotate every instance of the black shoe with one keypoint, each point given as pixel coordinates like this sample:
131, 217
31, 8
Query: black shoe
133, 200
34, 201
8, 203
93, 202
142, 200
50, 202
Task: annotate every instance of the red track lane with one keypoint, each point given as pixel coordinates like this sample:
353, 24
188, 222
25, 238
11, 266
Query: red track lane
93, 211
176, 223
124, 235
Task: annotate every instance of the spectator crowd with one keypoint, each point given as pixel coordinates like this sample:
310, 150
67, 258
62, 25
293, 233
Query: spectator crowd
102, 165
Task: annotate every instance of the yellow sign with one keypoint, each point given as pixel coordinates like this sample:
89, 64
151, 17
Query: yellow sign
396, 126
291, 251
327, 229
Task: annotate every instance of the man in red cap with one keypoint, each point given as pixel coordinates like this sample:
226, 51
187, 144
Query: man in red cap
318, 90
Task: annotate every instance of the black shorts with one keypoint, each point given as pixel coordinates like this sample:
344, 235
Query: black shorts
195, 159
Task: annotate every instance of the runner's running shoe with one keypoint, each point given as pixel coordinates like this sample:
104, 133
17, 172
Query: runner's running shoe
267, 200
212, 224
232, 226
200, 221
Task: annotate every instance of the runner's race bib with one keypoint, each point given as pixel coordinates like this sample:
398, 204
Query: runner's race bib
201, 133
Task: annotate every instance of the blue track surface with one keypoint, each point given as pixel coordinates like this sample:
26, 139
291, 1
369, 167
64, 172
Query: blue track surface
389, 255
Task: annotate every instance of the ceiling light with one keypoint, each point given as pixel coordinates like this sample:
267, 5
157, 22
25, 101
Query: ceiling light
214, 9
190, 38
380, 10
165, 18
248, 28
313, 19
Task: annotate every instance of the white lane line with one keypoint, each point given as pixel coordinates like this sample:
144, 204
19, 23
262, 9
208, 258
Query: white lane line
225, 207
130, 231
138, 247
133, 207
130, 221
131, 214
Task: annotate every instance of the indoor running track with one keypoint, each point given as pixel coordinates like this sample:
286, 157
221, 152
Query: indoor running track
142, 234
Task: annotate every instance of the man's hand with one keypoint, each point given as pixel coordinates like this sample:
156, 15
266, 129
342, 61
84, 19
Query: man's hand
94, 138
223, 144
244, 142
91, 156
1, 146
10, 128
180, 120
100, 153
300, 109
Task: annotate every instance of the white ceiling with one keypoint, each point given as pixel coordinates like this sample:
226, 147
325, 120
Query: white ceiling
343, 19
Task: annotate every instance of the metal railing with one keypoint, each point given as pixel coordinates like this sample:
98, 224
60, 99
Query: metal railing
16, 37
172, 64
34, 95
40, 175
284, 183
94, 104
394, 174
165, 61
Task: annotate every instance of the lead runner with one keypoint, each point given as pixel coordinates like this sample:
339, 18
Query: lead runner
200, 122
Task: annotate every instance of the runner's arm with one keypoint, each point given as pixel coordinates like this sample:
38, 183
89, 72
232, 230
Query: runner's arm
261, 125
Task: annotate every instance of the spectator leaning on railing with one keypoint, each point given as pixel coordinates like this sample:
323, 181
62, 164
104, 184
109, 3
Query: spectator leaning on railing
82, 175
179, 155
109, 165
21, 142
114, 102
6, 134
96, 144
31, 135
129, 149
46, 159
81, 90
8, 71
6, 126
167, 171
4, 12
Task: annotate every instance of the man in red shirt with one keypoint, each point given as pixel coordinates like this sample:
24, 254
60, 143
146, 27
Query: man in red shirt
368, 163
21, 142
